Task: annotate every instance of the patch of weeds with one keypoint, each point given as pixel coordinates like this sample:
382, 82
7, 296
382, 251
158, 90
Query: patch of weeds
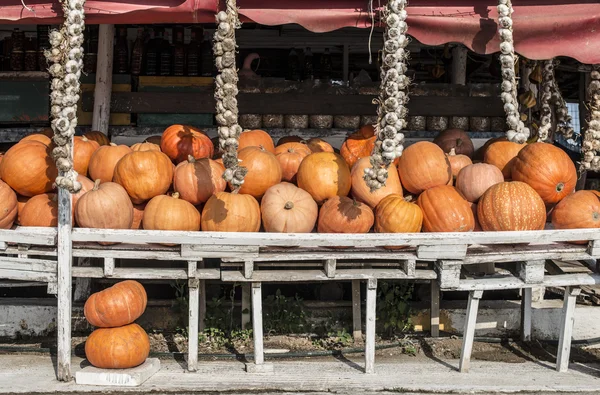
284, 315
334, 340
393, 308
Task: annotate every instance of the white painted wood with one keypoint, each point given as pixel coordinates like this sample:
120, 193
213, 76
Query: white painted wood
29, 235
370, 326
64, 280
22, 250
248, 269
138, 251
27, 275
109, 267
282, 276
356, 312
208, 251
104, 70
246, 304
448, 273
526, 314
594, 248
35, 265
83, 286
316, 253
566, 328
330, 268
532, 272
459, 65
514, 253
2, 245
469, 331
511, 282
410, 265
133, 377
442, 251
435, 309
193, 286
202, 301
257, 324
147, 274
52, 288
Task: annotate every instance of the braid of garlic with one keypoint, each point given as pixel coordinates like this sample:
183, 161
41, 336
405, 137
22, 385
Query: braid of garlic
517, 132
591, 138
563, 119
66, 56
225, 94
391, 110
545, 110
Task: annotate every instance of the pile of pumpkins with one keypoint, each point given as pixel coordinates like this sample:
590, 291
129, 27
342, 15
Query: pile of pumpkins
174, 182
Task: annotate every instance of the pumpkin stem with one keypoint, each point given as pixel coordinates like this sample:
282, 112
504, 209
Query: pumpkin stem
560, 186
113, 145
288, 206
85, 139
191, 159
175, 195
408, 198
96, 185
291, 150
354, 202
452, 152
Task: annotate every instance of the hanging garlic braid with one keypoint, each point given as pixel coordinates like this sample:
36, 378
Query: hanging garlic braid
563, 119
545, 109
393, 97
591, 137
225, 94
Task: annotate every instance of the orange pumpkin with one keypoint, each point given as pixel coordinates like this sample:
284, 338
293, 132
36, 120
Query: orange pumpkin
40, 210
256, 138
118, 305
83, 149
8, 206
511, 206
362, 192
42, 138
547, 169
197, 180
104, 160
286, 208
21, 201
264, 171
358, 145
445, 210
578, 210
324, 175
341, 214
28, 168
319, 145
154, 140
117, 348
474, 180
138, 215
231, 212
181, 141
480, 153
394, 214
170, 213
503, 154
144, 174
458, 162
86, 185
290, 155
145, 147
423, 165
289, 139
98, 137
106, 206
456, 139
477, 224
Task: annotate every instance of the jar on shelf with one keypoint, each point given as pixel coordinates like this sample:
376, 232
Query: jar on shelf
16, 60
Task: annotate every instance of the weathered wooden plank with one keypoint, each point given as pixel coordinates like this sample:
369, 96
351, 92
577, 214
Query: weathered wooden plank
147, 273
109, 266
448, 273
193, 286
64, 280
469, 331
531, 272
329, 266
526, 314
409, 265
370, 326
35, 265
29, 235
566, 328
317, 253
136, 252
442, 251
594, 248
435, 309
283, 276
248, 268
257, 323
207, 251
27, 275
356, 312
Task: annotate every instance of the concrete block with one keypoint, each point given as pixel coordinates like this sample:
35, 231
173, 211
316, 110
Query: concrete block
263, 368
118, 377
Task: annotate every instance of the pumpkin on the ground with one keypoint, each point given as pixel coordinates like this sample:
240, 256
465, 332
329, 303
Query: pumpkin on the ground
456, 139
290, 155
394, 214
180, 141
286, 208
503, 154
197, 180
28, 168
40, 210
341, 214
324, 175
42, 138
319, 145
117, 348
423, 165
104, 160
362, 192
170, 213
578, 210
547, 169
510, 206
83, 149
358, 145
445, 210
8, 206
98, 137
106, 206
231, 212
457, 162
474, 180
264, 171
118, 305
256, 138
144, 174
145, 146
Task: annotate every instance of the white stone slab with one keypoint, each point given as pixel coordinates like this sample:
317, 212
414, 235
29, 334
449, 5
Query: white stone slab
132, 377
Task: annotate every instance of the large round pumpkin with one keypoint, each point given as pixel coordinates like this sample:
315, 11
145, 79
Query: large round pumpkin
145, 147
324, 175
358, 145
144, 174
86, 185
231, 212
290, 155
21, 201
457, 162
264, 171
456, 139
341, 214
394, 214
117, 348
445, 210
40, 210
480, 153
98, 137
256, 138
423, 165
118, 305
197, 180
474, 180
42, 138
547, 169
8, 206
104, 160
180, 141
503, 154
509, 206
286, 208
319, 145
362, 192
28, 168
578, 210
83, 149
106, 206
170, 213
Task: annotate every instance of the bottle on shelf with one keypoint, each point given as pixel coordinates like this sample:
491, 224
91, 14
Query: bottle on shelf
121, 57
30, 60
137, 53
309, 73
165, 57
17, 53
293, 65
152, 52
178, 52
192, 56
326, 65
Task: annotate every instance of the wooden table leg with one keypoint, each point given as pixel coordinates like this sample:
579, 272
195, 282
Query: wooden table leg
469, 332
566, 328
356, 312
526, 313
435, 309
194, 289
370, 326
259, 365
246, 303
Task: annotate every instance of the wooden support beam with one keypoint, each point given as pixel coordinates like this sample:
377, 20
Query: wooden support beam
435, 309
64, 281
202, 302
109, 266
469, 332
246, 303
330, 268
193, 286
356, 312
566, 328
370, 326
526, 314
83, 285
103, 88
248, 269
459, 65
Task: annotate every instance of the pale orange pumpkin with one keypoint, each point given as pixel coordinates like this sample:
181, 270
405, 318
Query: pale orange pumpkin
8, 206
138, 215
394, 214
474, 180
445, 210
170, 213
341, 214
363, 193
457, 162
324, 175
40, 210
145, 146
104, 160
144, 174
83, 149
256, 138
197, 180
42, 138
286, 208
319, 145
290, 155
180, 141
86, 185
106, 206
423, 165
358, 145
231, 212
98, 137
577, 211
264, 171
28, 168
122, 347
503, 154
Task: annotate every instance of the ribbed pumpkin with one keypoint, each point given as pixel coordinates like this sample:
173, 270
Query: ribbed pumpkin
578, 210
42, 138
458, 162
479, 154
445, 210
358, 145
547, 169
286, 208
180, 141
104, 160
83, 149
319, 145
144, 174
510, 206
324, 175
153, 140
8, 206
106, 206
456, 139
341, 214
98, 137
289, 139
86, 185
256, 138
170, 213
423, 165
394, 214
197, 180
40, 210
118, 305
28, 168
474, 180
290, 155
362, 192
145, 147
264, 171
138, 215
231, 212
503, 154
118, 348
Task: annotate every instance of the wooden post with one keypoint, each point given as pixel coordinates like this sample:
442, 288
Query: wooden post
259, 365
459, 65
435, 309
356, 312
370, 326
469, 332
102, 91
526, 312
202, 302
566, 328
109, 267
246, 300
346, 63
330, 266
83, 285
64, 279
193, 285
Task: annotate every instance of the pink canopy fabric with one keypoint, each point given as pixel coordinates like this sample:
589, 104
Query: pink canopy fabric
543, 28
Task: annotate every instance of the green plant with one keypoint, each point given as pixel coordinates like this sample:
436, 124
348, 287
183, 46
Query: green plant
284, 315
334, 340
393, 308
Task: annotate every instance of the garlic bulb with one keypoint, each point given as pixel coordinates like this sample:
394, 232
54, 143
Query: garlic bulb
591, 154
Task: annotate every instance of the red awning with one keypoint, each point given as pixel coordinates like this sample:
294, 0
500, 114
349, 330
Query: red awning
543, 29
